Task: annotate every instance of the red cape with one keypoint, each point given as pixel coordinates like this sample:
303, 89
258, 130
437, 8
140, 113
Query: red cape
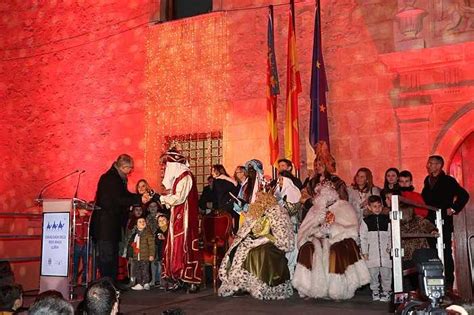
182, 259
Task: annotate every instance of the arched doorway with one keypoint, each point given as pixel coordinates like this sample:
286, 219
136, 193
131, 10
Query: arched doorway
460, 167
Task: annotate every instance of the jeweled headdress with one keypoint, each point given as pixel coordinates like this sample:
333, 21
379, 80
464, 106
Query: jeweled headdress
173, 154
323, 155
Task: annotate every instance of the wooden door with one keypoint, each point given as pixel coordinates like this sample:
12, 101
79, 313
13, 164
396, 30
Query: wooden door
462, 168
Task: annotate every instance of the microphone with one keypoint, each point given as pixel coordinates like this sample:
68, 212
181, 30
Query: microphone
40, 195
78, 181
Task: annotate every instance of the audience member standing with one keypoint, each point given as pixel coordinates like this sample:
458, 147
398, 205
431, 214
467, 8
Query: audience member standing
207, 200
114, 199
360, 190
142, 187
143, 246
375, 244
223, 186
390, 184
160, 245
152, 224
80, 245
443, 191
405, 182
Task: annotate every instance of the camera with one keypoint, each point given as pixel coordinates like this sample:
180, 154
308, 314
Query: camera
431, 284
431, 278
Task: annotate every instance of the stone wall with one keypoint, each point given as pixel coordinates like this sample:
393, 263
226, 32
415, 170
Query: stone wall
72, 90
73, 93
77, 90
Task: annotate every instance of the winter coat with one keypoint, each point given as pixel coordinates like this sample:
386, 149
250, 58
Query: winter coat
147, 245
207, 195
160, 244
114, 199
221, 188
418, 198
375, 240
446, 193
356, 198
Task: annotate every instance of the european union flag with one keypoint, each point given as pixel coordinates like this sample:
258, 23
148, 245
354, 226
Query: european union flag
318, 128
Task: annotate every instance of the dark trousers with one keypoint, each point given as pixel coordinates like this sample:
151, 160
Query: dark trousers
448, 256
80, 253
108, 259
236, 220
141, 271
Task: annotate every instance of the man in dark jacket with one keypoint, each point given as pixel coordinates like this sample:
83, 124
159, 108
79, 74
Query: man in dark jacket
114, 199
443, 191
207, 196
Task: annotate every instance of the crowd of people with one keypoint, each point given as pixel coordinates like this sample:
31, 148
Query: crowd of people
100, 298
322, 237
154, 237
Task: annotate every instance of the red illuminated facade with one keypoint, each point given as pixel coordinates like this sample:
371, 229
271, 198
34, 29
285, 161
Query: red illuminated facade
82, 83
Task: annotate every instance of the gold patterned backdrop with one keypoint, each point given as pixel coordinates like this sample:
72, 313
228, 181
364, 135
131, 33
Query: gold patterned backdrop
187, 69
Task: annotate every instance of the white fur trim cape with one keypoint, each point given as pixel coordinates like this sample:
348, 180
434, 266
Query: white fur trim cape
318, 282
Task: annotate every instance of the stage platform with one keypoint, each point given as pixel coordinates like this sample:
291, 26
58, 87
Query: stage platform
206, 302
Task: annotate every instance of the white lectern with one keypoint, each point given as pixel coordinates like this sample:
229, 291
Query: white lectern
55, 245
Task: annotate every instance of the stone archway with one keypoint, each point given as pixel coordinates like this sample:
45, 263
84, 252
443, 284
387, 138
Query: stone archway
457, 128
455, 143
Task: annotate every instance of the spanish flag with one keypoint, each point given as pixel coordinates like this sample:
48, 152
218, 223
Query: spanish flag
293, 88
273, 89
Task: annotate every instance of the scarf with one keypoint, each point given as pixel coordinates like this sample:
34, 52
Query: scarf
288, 190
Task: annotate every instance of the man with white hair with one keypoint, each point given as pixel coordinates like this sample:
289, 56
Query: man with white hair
182, 259
114, 199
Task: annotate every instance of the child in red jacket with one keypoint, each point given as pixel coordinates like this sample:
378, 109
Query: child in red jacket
405, 181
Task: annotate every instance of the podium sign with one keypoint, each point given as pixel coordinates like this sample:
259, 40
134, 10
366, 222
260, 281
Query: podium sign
55, 249
55, 244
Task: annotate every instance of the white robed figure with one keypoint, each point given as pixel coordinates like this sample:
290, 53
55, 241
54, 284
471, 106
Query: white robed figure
288, 196
329, 263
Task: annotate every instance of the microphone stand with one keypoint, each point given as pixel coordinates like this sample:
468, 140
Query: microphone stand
40, 195
73, 239
78, 181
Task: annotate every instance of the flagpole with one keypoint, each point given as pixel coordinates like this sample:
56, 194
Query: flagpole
271, 93
293, 88
292, 8
319, 125
292, 4
274, 170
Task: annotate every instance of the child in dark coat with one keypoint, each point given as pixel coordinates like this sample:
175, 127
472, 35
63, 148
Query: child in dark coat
142, 244
160, 242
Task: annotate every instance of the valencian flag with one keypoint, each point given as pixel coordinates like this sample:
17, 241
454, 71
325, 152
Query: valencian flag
293, 88
318, 126
273, 89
